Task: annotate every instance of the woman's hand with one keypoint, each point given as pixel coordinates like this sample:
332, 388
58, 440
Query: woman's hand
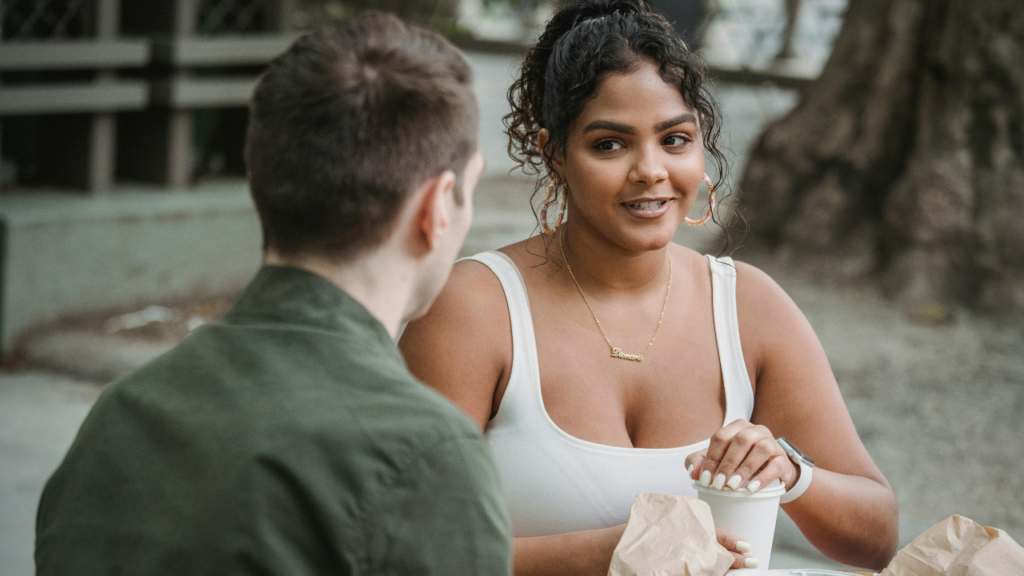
738, 548
742, 453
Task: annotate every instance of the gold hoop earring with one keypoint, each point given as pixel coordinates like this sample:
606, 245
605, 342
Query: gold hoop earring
711, 194
549, 197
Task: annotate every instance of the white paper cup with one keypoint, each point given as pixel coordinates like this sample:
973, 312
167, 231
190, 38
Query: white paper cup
749, 515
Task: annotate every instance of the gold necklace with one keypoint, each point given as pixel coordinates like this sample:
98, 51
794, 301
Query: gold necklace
616, 352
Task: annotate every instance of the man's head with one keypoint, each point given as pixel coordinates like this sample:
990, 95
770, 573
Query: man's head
351, 125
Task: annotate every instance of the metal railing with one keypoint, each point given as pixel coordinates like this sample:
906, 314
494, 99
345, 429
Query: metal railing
235, 17
62, 70
34, 19
59, 61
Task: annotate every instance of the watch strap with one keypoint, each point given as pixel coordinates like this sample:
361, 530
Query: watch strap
801, 485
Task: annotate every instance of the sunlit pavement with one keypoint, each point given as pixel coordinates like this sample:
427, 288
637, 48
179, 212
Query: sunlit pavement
39, 416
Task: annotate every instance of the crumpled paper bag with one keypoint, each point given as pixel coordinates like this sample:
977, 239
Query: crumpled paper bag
959, 546
669, 536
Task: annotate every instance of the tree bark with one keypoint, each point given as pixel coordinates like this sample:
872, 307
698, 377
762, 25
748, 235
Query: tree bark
905, 159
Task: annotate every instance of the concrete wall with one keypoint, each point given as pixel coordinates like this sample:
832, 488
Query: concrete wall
68, 254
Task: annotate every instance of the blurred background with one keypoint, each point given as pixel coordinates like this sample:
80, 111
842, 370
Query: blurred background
875, 172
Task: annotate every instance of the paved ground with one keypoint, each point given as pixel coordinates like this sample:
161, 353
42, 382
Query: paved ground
39, 415
938, 405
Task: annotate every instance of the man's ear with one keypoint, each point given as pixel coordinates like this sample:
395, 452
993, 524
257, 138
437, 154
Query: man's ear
433, 216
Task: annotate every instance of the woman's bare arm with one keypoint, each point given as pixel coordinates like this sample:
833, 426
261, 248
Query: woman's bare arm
586, 553
849, 512
463, 346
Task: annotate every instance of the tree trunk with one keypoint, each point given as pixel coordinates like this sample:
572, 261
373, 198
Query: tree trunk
906, 157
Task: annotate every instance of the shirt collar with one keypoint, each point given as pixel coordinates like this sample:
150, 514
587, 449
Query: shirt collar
292, 296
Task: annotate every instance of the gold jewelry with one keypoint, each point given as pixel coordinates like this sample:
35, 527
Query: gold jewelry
711, 193
616, 352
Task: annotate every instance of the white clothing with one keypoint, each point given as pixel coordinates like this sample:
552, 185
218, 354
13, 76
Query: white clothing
554, 482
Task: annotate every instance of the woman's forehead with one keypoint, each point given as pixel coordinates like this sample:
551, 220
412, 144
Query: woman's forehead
640, 98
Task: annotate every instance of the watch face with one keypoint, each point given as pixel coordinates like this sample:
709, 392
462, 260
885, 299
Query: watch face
795, 454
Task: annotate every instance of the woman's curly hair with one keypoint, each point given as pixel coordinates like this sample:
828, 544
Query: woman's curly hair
582, 44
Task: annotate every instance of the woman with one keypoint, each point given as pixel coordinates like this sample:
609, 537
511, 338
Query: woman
604, 361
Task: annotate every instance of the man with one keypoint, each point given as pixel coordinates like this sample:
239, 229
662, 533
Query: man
288, 437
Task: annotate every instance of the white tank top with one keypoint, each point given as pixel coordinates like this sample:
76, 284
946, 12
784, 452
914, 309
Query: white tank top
554, 482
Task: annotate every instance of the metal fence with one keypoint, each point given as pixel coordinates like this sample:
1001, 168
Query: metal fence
235, 16
34, 19
124, 90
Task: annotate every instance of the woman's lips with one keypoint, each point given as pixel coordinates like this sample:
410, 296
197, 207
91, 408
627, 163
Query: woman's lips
648, 208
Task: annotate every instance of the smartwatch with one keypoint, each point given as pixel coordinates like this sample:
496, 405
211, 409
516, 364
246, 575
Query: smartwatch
806, 466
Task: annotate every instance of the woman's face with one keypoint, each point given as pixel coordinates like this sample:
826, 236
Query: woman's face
634, 161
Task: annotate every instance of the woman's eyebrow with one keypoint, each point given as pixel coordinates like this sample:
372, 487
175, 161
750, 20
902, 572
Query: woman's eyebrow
662, 126
613, 126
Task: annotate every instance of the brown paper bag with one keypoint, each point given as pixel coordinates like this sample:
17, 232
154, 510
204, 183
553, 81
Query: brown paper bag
959, 546
669, 536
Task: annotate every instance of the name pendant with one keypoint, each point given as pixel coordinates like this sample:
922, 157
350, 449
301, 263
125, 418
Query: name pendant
617, 353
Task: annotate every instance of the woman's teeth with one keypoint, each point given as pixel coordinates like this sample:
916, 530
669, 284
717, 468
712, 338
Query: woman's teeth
648, 205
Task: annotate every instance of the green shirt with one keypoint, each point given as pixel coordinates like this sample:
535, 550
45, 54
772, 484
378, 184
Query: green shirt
287, 438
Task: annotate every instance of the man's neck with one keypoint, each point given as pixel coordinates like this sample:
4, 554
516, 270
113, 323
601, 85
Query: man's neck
383, 288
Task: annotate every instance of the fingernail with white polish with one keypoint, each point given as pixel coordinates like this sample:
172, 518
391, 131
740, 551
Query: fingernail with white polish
735, 481
705, 478
750, 563
689, 470
754, 486
743, 547
719, 482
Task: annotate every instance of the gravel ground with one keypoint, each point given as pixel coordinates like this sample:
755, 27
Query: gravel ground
938, 404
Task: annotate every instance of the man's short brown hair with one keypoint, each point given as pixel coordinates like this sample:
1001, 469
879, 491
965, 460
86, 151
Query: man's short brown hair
346, 123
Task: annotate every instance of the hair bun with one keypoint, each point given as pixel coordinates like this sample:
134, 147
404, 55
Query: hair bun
573, 15
591, 9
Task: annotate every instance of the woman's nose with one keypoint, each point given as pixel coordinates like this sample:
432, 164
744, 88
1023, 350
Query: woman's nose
648, 167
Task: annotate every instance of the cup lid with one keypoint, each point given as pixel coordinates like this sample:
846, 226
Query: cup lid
774, 490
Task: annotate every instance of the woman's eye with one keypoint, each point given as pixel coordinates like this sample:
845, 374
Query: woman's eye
608, 146
676, 140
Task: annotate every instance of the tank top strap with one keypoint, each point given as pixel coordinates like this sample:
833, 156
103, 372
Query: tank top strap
738, 390
521, 403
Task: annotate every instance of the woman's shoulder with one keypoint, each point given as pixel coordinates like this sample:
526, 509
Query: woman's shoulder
529, 254
462, 346
756, 290
768, 318
472, 289
473, 279
688, 257
470, 311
